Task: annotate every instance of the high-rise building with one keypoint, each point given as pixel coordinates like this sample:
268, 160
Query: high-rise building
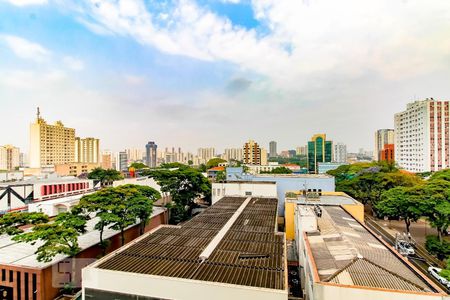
9, 157
382, 137
340, 153
233, 154
107, 160
87, 150
319, 150
273, 149
151, 153
122, 161
422, 136
263, 157
135, 154
301, 150
252, 153
206, 153
50, 144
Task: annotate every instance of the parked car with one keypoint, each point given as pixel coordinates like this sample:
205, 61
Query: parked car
434, 271
405, 248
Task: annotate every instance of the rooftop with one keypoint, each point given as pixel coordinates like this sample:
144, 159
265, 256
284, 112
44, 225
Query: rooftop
327, 198
22, 254
249, 253
319, 176
345, 252
44, 180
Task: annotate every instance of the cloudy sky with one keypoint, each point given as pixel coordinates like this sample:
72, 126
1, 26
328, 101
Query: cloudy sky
194, 73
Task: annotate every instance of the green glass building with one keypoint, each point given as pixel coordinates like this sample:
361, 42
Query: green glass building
319, 150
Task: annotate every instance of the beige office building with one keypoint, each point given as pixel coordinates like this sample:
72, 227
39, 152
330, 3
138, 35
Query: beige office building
9, 157
107, 160
87, 150
50, 145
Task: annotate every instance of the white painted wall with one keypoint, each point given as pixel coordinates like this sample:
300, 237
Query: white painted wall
172, 288
242, 189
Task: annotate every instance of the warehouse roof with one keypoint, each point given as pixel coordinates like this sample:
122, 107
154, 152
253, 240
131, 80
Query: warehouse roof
345, 252
250, 253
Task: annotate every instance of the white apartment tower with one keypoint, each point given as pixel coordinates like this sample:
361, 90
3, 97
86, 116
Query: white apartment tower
382, 137
206, 153
233, 154
340, 153
87, 150
422, 136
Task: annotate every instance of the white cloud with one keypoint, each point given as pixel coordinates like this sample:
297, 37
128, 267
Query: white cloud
27, 2
32, 79
134, 80
26, 49
73, 63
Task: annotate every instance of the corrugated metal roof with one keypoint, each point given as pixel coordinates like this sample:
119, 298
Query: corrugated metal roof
250, 254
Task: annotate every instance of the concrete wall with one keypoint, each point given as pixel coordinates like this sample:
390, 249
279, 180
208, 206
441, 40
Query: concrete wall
171, 288
243, 189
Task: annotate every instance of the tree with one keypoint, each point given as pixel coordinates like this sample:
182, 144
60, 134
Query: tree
279, 170
436, 247
446, 272
11, 223
437, 196
401, 202
142, 207
106, 177
221, 176
214, 162
58, 237
138, 166
184, 185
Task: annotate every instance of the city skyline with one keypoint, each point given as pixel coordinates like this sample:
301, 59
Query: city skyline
121, 67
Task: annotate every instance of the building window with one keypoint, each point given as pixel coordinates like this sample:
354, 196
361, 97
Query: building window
248, 193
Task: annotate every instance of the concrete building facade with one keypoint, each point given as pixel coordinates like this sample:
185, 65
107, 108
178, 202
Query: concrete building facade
233, 154
382, 137
340, 153
107, 160
206, 153
75, 169
50, 144
122, 161
87, 150
273, 149
9, 157
252, 153
422, 137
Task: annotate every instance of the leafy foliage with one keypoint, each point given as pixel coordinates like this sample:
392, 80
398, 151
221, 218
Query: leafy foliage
300, 160
11, 223
436, 247
214, 162
138, 165
106, 177
279, 170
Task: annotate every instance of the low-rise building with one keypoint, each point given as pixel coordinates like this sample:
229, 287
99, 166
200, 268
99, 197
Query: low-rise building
75, 169
24, 277
11, 176
324, 167
243, 189
230, 251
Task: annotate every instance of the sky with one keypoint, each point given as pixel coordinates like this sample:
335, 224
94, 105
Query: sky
202, 73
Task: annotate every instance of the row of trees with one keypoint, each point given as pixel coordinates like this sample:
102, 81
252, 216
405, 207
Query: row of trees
115, 208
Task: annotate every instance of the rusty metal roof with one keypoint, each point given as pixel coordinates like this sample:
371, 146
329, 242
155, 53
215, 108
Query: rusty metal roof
251, 253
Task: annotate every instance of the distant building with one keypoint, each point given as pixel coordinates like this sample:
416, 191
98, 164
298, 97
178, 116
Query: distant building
122, 161
87, 150
150, 154
422, 136
74, 169
9, 157
233, 154
319, 150
263, 157
206, 153
324, 167
387, 153
107, 160
301, 150
50, 144
135, 154
252, 153
382, 137
340, 153
273, 149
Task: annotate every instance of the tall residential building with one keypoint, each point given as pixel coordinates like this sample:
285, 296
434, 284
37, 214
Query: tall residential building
387, 153
135, 154
263, 157
319, 150
233, 154
273, 149
340, 153
9, 157
301, 150
122, 161
150, 154
206, 153
382, 137
252, 153
422, 136
87, 150
107, 160
50, 144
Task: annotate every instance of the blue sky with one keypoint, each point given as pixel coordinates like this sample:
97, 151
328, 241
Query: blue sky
215, 73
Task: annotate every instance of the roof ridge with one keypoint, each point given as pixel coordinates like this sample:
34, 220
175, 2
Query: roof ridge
356, 259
